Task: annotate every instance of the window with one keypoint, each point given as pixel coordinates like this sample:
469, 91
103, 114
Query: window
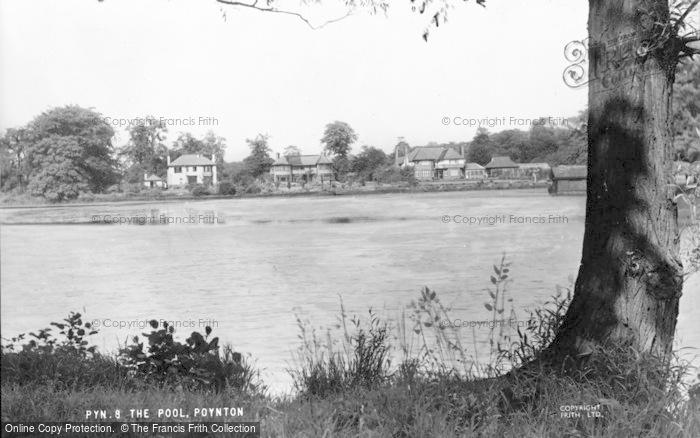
178, 169
194, 168
454, 172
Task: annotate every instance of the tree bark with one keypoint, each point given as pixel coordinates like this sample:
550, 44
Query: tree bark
630, 278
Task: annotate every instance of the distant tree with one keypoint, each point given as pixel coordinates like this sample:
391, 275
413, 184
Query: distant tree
58, 174
342, 165
214, 146
259, 161
14, 170
186, 144
511, 142
542, 143
70, 153
338, 138
481, 148
368, 162
291, 150
402, 147
145, 147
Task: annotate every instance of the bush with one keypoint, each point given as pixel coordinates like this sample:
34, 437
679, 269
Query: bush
200, 190
195, 364
227, 188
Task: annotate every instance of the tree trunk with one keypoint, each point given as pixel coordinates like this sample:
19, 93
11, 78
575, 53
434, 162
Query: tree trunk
630, 278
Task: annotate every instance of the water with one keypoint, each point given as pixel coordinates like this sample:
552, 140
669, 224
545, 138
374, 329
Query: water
264, 262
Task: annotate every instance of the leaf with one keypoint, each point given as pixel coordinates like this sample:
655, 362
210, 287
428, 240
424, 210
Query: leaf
488, 307
207, 330
495, 269
154, 323
493, 280
493, 295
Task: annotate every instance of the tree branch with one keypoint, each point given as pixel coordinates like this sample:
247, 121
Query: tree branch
255, 6
682, 17
690, 39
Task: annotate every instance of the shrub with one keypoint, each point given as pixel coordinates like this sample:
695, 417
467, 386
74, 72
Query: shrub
227, 188
200, 190
195, 364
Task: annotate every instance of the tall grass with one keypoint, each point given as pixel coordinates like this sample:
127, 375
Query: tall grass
413, 377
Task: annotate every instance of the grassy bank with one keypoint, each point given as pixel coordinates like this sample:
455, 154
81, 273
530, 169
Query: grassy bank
412, 378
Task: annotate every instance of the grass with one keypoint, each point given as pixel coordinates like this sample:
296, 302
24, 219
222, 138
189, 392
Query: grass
412, 378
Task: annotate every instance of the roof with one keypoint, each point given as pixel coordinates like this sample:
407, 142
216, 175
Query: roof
473, 166
501, 162
154, 178
192, 160
281, 161
451, 154
427, 153
302, 160
569, 172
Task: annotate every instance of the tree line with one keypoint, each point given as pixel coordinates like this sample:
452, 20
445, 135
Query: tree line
68, 151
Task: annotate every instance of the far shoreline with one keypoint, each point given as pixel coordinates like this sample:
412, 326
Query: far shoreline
423, 187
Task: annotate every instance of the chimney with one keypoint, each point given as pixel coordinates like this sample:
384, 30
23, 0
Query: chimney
145, 176
278, 155
461, 147
168, 159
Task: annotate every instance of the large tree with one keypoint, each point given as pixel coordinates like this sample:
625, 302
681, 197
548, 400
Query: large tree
338, 139
368, 162
481, 148
211, 146
259, 161
630, 281
70, 153
145, 152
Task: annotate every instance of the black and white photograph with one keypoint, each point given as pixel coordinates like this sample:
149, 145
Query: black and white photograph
350, 218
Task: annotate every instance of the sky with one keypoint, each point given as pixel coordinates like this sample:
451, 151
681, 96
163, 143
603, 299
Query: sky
251, 72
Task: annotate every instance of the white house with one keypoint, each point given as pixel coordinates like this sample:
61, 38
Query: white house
191, 169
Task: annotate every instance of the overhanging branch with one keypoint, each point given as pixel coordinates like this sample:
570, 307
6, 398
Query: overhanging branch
682, 17
255, 6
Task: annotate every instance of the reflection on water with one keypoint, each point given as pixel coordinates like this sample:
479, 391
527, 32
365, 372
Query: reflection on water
265, 261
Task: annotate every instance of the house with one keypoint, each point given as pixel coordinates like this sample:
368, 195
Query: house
154, 181
308, 168
435, 162
502, 167
424, 161
568, 180
191, 169
474, 171
450, 165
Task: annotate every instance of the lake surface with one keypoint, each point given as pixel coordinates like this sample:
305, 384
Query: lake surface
250, 267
